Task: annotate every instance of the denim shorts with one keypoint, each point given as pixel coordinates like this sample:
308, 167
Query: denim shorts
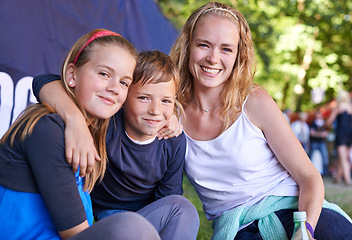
106, 213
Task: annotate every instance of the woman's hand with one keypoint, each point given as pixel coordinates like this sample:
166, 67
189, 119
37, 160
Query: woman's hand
310, 236
172, 129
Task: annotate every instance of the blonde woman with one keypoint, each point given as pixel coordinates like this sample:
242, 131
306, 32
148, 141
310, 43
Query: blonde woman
342, 113
247, 166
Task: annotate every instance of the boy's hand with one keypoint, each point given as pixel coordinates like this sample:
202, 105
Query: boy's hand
79, 145
172, 129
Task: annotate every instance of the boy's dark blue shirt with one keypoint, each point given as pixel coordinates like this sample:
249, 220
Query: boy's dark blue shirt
136, 174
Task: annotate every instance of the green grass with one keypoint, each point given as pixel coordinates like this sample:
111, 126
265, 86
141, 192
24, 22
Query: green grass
205, 229
339, 194
334, 193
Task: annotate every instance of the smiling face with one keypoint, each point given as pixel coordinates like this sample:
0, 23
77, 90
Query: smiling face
147, 108
213, 51
101, 85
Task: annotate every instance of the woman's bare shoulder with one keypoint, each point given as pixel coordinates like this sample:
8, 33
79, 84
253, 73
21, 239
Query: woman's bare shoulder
260, 106
258, 99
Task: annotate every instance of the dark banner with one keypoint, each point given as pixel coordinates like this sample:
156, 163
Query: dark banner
37, 35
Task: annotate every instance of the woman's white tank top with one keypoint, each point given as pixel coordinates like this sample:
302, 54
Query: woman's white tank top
236, 168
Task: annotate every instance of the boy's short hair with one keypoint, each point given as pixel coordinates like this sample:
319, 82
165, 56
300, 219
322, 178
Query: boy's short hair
155, 67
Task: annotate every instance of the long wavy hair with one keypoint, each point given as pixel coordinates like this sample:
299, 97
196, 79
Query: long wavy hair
25, 123
240, 82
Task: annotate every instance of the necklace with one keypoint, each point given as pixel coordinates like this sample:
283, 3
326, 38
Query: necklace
207, 110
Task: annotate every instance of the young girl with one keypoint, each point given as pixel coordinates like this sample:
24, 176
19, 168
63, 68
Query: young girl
40, 196
243, 159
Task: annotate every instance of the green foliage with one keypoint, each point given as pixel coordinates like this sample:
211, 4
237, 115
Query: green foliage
300, 45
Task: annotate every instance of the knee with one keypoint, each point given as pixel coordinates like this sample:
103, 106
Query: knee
181, 202
333, 225
130, 226
183, 206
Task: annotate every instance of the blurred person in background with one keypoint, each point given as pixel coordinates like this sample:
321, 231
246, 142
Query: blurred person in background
301, 129
318, 135
342, 114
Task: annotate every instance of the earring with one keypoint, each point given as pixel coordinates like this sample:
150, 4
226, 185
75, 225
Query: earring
70, 82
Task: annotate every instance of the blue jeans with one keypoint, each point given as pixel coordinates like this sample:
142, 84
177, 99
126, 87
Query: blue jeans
322, 147
174, 217
126, 226
331, 225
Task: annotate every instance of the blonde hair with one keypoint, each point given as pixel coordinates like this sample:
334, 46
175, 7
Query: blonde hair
343, 97
240, 82
25, 123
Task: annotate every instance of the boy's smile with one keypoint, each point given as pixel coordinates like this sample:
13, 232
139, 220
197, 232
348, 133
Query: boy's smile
148, 108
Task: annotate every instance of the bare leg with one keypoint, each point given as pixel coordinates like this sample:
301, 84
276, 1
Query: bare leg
343, 158
337, 173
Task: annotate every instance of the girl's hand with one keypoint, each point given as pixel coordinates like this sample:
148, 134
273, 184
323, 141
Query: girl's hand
172, 129
79, 146
80, 149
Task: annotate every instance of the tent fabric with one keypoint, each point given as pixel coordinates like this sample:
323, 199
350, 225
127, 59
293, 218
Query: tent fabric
37, 35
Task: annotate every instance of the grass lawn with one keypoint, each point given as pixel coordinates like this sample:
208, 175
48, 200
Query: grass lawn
205, 229
339, 194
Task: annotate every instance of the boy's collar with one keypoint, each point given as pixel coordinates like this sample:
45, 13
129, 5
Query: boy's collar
141, 142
